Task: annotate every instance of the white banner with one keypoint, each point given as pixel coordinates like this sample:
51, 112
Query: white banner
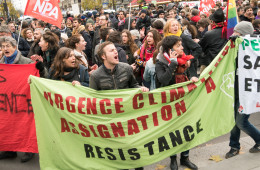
249, 75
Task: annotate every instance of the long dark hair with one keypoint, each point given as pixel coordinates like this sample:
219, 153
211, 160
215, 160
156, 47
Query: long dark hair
52, 40
58, 64
131, 43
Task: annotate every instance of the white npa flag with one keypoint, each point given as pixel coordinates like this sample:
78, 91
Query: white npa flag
249, 75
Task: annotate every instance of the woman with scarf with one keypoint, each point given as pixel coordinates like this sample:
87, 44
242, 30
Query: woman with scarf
214, 40
27, 34
170, 69
146, 52
129, 45
173, 27
66, 67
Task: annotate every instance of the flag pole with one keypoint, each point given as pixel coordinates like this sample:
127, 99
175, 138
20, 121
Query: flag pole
129, 17
20, 32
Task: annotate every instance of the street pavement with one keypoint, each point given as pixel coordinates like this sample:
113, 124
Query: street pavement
199, 155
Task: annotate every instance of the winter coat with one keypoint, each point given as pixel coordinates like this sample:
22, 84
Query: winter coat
48, 58
120, 78
212, 44
143, 22
19, 59
149, 73
121, 53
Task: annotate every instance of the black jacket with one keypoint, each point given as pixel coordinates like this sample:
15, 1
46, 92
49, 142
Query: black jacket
212, 44
121, 77
23, 45
121, 53
143, 22
88, 49
191, 48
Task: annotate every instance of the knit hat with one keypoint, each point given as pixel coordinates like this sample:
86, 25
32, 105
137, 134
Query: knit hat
218, 16
244, 28
143, 11
160, 12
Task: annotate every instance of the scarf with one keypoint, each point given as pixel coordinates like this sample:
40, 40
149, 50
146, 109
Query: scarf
178, 34
72, 76
222, 25
195, 18
147, 53
10, 60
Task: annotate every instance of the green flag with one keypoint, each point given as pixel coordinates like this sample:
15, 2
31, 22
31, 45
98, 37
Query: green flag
80, 128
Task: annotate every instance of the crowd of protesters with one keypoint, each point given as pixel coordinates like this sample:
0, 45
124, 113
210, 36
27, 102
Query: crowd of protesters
147, 48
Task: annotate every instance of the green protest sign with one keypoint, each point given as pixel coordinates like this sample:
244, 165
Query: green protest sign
80, 128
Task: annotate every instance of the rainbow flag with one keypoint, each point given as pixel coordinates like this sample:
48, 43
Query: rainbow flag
232, 18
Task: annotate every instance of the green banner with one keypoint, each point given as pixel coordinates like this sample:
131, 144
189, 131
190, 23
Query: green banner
80, 128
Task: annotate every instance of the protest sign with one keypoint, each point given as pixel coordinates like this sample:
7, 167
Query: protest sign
17, 127
206, 5
249, 77
81, 128
46, 10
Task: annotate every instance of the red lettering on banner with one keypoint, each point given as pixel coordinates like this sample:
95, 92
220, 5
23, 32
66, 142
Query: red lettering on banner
202, 80
210, 85
117, 129
174, 95
210, 72
118, 106
93, 130
73, 128
232, 45
132, 127
163, 94
180, 107
84, 131
71, 107
103, 131
155, 119
191, 87
59, 101
81, 105
102, 106
47, 96
166, 112
151, 99
135, 102
91, 106
219, 59
257, 104
143, 121
64, 125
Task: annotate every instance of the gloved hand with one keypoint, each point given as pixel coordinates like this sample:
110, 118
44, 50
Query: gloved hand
233, 38
40, 66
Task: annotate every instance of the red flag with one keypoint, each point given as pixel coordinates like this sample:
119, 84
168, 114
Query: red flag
46, 10
206, 5
17, 127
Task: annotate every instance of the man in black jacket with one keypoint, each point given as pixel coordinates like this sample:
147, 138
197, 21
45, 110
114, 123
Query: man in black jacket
213, 41
35, 48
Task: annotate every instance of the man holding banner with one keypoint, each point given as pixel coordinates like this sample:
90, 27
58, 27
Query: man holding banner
242, 123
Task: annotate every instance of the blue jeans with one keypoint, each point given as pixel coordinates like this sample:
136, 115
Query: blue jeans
242, 123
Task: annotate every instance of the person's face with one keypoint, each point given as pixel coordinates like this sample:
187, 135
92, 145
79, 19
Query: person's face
81, 45
121, 15
124, 38
183, 14
37, 35
63, 24
241, 12
53, 27
102, 21
133, 25
29, 34
174, 27
142, 15
249, 12
69, 21
258, 12
201, 29
178, 48
161, 15
171, 13
97, 19
11, 27
150, 40
1, 53
70, 62
202, 16
111, 55
8, 49
43, 44
76, 24
4, 34
90, 28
